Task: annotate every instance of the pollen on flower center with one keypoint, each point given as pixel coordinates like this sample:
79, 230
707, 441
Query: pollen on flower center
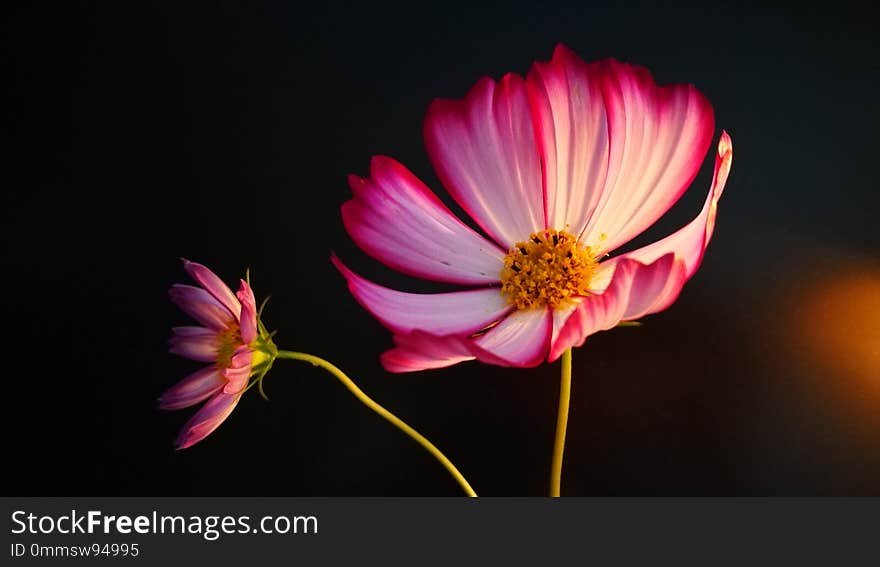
549, 268
227, 342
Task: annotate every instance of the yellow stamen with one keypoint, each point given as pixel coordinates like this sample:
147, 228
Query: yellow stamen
550, 268
227, 342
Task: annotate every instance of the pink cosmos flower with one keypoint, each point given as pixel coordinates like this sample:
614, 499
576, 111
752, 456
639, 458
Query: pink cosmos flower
559, 170
226, 340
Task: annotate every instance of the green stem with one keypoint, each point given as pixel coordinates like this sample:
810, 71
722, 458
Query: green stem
561, 424
393, 419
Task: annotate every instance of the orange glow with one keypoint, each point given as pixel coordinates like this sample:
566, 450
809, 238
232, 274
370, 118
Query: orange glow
840, 323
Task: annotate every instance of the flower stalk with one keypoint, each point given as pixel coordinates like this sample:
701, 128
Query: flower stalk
561, 425
387, 415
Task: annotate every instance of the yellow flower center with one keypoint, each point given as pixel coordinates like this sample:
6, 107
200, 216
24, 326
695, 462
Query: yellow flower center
227, 342
549, 268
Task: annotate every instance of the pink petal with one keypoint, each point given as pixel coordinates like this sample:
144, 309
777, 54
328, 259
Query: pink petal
654, 287
462, 312
422, 351
248, 319
239, 370
658, 138
485, 153
207, 419
213, 284
189, 331
647, 278
193, 389
197, 343
635, 290
397, 220
690, 242
201, 306
522, 339
572, 131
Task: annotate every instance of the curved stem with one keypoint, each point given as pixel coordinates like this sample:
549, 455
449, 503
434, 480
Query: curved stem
393, 419
561, 424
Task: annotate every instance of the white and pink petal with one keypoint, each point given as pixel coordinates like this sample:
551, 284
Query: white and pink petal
635, 290
521, 339
418, 350
461, 312
484, 151
658, 137
400, 222
689, 243
572, 131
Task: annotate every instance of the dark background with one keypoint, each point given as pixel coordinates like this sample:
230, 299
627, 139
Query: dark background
224, 134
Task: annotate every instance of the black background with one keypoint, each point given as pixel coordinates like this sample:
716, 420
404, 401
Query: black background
142, 133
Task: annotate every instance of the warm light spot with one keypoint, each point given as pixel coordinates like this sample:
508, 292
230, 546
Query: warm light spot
550, 268
841, 326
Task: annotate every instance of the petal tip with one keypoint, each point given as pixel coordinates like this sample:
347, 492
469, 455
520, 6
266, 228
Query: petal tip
339, 265
562, 51
356, 183
725, 145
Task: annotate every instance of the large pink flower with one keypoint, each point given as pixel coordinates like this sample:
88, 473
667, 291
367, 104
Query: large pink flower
226, 341
559, 169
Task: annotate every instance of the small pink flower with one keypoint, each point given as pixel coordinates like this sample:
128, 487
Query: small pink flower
226, 340
559, 169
